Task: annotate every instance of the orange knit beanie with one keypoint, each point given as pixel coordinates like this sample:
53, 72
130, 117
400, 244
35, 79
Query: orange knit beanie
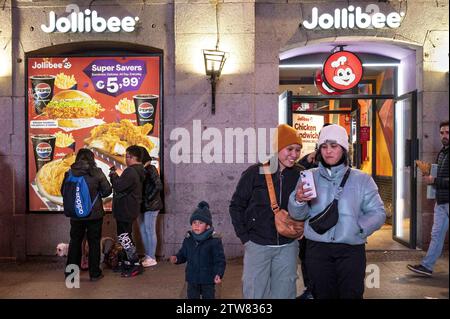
285, 135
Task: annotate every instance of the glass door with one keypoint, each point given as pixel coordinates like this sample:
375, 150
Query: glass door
354, 140
405, 137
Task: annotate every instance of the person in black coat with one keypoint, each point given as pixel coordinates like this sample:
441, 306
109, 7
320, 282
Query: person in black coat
151, 205
202, 249
127, 200
308, 161
270, 259
92, 224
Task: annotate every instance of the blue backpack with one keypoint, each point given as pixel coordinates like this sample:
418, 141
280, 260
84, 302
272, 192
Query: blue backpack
76, 198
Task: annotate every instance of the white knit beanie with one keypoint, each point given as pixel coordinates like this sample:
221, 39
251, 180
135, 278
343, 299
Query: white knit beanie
335, 134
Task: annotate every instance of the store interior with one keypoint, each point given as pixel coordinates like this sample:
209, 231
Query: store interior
367, 111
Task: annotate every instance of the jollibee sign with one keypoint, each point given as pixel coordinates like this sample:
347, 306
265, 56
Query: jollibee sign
87, 21
351, 17
341, 71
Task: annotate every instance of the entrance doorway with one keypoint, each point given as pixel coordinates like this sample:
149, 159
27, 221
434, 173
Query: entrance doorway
378, 145
381, 125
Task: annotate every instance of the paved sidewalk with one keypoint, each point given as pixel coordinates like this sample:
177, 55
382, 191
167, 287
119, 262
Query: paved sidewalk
42, 277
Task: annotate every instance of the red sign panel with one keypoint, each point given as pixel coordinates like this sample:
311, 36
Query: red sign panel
364, 134
342, 70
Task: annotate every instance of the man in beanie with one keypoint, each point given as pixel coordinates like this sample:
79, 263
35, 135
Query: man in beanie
335, 258
202, 249
270, 259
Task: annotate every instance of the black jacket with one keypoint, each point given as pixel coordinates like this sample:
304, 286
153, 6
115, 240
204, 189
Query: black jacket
441, 181
127, 195
307, 165
151, 198
97, 183
250, 209
205, 259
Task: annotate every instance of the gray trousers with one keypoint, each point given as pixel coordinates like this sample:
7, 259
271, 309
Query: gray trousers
270, 272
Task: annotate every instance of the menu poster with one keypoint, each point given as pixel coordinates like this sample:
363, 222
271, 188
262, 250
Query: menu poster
104, 103
309, 127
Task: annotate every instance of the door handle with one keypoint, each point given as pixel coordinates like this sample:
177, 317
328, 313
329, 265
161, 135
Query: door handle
408, 153
414, 155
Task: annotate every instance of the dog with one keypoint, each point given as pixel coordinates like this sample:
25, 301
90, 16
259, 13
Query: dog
106, 244
62, 249
84, 254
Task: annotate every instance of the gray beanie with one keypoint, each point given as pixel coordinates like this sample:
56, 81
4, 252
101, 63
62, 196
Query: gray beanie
202, 213
334, 133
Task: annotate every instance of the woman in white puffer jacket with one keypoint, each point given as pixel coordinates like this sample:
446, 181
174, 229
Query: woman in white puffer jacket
336, 260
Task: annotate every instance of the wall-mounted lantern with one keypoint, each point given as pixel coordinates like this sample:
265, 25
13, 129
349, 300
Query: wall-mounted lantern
214, 61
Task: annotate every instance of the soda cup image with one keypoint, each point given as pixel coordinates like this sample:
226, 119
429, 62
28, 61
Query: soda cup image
145, 105
43, 149
42, 88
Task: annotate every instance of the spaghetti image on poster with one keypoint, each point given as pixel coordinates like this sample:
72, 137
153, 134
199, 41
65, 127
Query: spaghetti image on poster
105, 104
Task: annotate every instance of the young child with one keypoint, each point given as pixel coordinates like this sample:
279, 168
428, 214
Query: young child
203, 251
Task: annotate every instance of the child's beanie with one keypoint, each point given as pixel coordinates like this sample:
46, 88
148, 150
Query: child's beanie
202, 213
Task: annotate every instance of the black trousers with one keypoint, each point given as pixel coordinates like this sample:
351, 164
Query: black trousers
78, 229
206, 291
129, 252
336, 271
125, 227
302, 257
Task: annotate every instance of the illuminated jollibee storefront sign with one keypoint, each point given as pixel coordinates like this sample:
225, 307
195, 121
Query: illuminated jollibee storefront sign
354, 17
87, 21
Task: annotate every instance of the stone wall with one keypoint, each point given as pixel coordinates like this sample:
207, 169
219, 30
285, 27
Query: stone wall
277, 31
254, 33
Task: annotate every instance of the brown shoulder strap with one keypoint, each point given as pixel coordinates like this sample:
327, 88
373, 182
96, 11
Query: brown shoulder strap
271, 189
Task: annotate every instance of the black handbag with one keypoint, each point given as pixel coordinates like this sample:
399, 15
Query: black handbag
328, 218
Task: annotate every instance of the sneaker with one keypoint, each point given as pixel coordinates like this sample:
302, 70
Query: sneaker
305, 295
148, 262
419, 269
132, 271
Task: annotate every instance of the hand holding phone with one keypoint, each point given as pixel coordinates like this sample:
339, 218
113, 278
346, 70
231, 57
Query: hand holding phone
308, 184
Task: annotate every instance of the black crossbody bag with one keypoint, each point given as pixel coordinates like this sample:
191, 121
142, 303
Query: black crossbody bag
328, 218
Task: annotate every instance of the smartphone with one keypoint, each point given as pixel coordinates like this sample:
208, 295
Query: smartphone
308, 179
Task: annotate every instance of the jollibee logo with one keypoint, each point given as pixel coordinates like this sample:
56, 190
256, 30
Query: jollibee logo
146, 110
342, 71
321, 85
42, 90
43, 150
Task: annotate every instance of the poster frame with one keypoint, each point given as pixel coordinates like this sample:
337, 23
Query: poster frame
94, 53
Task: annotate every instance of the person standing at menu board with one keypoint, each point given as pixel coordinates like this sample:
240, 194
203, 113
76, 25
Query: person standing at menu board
127, 198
